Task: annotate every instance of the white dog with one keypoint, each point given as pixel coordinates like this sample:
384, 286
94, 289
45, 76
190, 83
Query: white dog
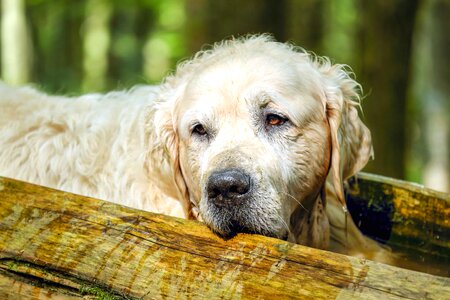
243, 137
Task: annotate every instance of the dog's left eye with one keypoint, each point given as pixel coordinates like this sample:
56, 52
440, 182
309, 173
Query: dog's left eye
199, 129
275, 120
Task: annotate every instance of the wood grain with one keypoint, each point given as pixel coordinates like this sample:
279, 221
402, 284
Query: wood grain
60, 245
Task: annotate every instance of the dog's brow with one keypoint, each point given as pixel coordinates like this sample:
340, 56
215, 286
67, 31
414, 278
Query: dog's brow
263, 99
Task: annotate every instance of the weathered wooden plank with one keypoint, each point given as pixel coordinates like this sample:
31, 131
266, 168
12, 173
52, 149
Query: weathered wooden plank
58, 244
407, 216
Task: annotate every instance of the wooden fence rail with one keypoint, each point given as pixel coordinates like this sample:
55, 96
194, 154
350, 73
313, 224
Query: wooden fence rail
55, 244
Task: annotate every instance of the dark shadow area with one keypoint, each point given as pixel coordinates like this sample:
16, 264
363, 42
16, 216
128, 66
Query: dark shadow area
373, 217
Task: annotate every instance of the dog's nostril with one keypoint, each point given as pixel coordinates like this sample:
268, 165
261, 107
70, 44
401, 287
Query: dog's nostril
228, 184
214, 193
234, 189
240, 189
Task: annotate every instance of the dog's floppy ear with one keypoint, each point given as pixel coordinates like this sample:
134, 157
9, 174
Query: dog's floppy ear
167, 143
351, 145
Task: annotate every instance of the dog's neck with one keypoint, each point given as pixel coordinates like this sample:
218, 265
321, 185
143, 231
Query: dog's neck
309, 225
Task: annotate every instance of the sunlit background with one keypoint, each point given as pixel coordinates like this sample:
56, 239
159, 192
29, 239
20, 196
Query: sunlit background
398, 49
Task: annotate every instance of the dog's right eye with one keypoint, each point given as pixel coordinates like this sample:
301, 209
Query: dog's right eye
274, 120
199, 129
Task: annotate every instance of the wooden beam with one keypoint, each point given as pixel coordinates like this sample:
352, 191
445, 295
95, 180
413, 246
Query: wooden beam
410, 218
54, 243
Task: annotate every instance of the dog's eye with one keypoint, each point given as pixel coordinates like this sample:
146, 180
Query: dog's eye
199, 129
275, 120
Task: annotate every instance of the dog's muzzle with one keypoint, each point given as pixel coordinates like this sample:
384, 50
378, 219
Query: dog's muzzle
233, 207
229, 193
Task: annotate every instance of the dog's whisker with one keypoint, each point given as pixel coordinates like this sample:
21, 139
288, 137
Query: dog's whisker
296, 200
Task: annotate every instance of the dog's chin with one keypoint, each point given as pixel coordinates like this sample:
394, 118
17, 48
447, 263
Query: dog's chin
232, 228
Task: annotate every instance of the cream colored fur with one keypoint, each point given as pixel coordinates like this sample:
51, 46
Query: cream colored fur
94, 145
138, 147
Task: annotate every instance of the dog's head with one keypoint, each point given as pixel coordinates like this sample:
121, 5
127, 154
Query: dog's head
252, 129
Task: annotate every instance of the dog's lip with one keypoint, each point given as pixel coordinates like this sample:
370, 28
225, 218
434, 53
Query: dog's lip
234, 227
231, 230
237, 227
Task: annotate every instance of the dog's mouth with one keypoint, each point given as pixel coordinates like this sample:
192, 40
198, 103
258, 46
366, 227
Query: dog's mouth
233, 227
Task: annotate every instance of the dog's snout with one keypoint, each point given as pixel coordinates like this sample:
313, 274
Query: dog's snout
228, 185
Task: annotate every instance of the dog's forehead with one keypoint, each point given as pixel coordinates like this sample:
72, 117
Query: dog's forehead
234, 86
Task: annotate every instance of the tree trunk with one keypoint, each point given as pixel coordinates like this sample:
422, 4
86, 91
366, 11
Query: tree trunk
16, 45
430, 105
385, 44
215, 20
305, 23
96, 45
56, 34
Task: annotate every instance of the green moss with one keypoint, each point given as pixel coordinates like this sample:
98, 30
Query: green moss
12, 266
98, 292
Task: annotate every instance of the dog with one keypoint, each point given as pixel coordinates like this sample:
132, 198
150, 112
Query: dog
251, 136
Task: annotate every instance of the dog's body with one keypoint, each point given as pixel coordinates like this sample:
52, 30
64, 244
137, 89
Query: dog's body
242, 137
92, 145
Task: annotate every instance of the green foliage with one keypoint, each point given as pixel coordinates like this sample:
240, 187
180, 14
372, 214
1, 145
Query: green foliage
147, 38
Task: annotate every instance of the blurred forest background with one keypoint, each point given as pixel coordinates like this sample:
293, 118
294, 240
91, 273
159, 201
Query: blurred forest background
398, 49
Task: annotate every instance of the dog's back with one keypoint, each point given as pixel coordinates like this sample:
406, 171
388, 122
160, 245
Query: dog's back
91, 145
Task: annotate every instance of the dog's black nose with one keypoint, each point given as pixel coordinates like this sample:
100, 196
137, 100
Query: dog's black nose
227, 187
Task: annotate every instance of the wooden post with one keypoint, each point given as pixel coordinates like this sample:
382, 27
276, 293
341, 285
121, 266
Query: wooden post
54, 244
